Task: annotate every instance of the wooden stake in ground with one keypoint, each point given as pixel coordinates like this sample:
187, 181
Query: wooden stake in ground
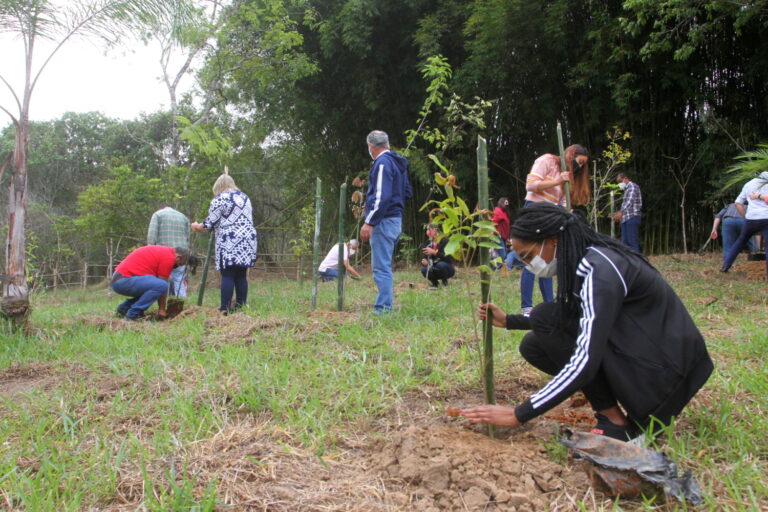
342, 269
563, 167
485, 280
204, 277
316, 241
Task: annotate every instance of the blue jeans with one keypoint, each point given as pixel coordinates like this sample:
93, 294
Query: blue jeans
177, 285
730, 229
629, 231
526, 285
143, 292
383, 239
329, 274
501, 252
526, 289
750, 228
512, 261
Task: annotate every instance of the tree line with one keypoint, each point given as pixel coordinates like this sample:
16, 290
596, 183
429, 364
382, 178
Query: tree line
288, 89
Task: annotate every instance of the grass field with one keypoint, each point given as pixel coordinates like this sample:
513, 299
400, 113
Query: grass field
280, 408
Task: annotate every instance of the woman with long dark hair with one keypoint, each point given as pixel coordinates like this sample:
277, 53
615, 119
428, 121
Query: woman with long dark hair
544, 184
618, 331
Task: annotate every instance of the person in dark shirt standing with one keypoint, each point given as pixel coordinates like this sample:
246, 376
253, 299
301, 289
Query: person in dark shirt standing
629, 214
388, 189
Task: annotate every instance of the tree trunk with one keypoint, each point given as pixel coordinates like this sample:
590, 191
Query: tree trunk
15, 305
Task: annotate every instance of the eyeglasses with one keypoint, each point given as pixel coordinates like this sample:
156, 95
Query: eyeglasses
527, 257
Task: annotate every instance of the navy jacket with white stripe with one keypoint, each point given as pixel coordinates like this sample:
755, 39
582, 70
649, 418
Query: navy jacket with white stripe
634, 327
388, 187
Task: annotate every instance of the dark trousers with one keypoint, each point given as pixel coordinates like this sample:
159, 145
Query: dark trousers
233, 279
549, 347
440, 271
749, 228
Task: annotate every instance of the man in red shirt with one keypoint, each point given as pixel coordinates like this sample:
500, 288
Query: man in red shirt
142, 276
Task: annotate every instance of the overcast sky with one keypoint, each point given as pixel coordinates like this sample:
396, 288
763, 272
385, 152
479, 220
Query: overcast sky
81, 78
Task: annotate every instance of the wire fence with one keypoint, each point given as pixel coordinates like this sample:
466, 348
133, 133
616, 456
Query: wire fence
267, 266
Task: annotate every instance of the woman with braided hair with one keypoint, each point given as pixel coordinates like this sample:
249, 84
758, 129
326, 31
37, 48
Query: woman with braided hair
617, 331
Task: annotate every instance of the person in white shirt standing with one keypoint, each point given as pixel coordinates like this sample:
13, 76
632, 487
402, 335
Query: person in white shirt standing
755, 193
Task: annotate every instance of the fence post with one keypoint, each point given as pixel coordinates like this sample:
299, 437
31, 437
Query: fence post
85, 274
341, 267
316, 241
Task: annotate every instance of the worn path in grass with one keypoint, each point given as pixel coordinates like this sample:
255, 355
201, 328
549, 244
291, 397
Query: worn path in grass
251, 450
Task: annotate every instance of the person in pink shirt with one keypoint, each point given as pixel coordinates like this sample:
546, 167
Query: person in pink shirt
545, 184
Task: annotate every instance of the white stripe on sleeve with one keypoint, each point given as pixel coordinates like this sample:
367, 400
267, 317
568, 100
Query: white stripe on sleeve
377, 202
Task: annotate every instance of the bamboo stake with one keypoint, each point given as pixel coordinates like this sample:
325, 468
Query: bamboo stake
341, 267
563, 167
204, 277
316, 241
485, 281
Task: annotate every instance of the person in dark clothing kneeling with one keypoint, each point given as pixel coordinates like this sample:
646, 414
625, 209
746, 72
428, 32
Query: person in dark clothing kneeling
436, 266
617, 332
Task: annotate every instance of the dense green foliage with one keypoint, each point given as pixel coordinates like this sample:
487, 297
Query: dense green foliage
687, 79
294, 86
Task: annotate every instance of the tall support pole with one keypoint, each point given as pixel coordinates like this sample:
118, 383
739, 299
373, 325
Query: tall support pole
563, 167
485, 279
204, 277
316, 240
342, 225
613, 222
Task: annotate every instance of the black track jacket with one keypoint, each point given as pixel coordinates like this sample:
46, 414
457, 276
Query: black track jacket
634, 326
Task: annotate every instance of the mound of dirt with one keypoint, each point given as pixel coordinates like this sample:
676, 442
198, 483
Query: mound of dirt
755, 270
449, 468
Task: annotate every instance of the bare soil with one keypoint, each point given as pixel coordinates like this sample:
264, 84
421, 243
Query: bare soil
412, 458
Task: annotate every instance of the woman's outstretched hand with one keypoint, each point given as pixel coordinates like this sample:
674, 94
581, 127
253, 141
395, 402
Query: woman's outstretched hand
498, 319
491, 414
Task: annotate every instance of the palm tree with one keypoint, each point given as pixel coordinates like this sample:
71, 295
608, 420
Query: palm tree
749, 164
59, 22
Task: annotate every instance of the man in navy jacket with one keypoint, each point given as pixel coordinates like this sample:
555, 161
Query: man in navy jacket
388, 189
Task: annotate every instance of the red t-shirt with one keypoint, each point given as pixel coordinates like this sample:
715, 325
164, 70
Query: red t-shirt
150, 260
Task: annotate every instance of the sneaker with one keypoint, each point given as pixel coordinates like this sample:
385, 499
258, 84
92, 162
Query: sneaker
723, 270
136, 318
121, 312
604, 427
527, 311
432, 287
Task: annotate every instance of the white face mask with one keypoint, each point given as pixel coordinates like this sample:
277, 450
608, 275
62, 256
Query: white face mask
541, 268
622, 185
